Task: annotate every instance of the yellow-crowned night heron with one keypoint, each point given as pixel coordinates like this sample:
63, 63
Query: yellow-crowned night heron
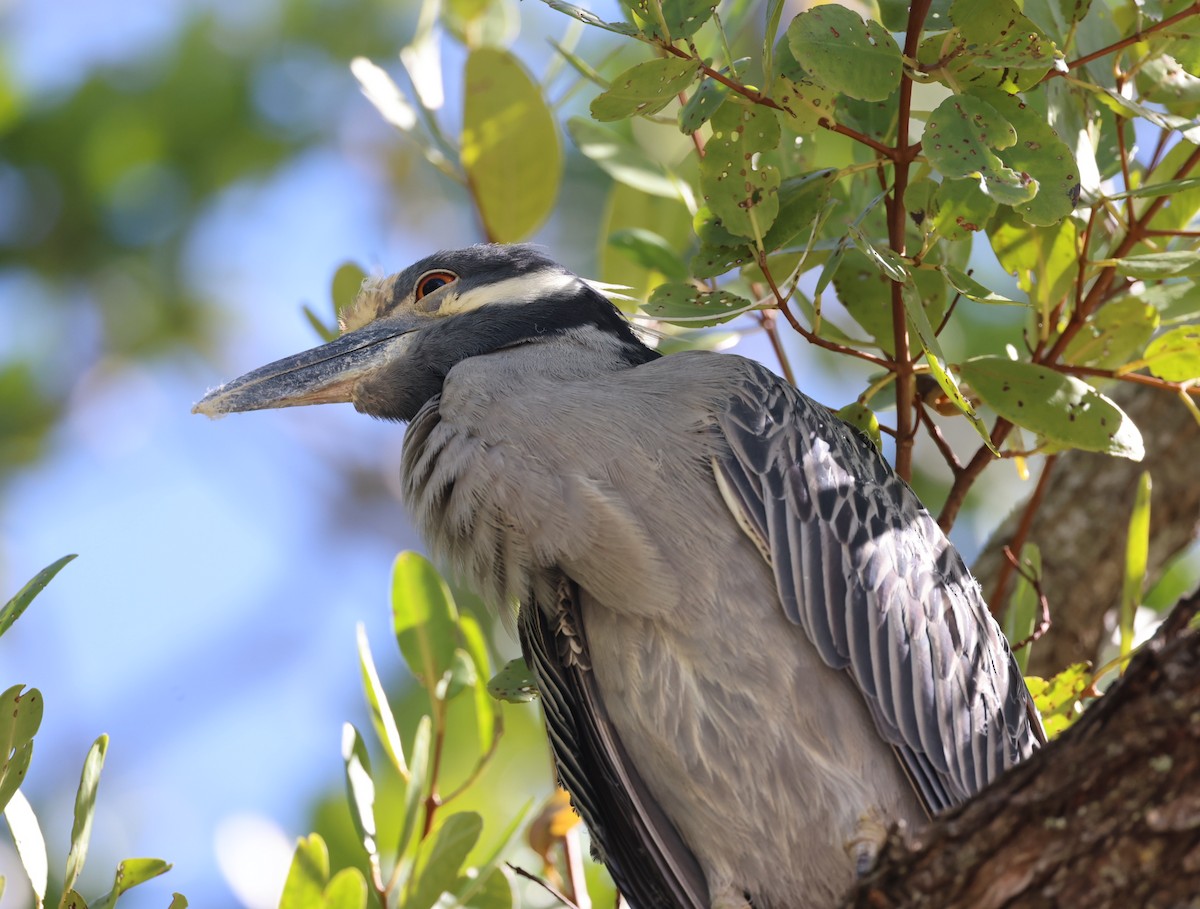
755, 647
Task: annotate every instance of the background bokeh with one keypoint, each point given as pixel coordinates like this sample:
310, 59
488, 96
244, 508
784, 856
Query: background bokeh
176, 180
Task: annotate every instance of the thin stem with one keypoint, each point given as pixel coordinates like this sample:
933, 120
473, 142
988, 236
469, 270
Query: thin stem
767, 320
939, 440
970, 473
1017, 543
1135, 377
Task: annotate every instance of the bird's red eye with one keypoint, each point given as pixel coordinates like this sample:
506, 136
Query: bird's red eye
430, 282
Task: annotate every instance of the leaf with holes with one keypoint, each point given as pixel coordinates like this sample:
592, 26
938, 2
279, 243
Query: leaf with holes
20, 717
997, 35
708, 96
805, 101
1113, 335
1040, 153
684, 17
859, 59
645, 89
961, 208
514, 683
1175, 355
713, 261
1062, 409
740, 189
684, 304
510, 149
959, 141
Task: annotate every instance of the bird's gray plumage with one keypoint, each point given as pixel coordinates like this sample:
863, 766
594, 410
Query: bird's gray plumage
754, 646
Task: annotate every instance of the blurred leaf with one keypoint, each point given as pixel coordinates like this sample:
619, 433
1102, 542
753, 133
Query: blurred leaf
1116, 333
857, 58
1154, 266
740, 188
684, 17
424, 618
360, 790
1174, 356
650, 251
1166, 188
862, 418
1137, 553
20, 717
347, 282
347, 890
130, 873
1044, 259
1063, 409
622, 160
645, 88
178, 901
972, 289
467, 889
309, 872
1024, 608
589, 18
381, 711
1058, 699
71, 900
495, 892
959, 141
382, 91
510, 148
459, 677
514, 683
440, 858
29, 842
325, 332
487, 711
548, 827
18, 604
414, 792
685, 304
85, 807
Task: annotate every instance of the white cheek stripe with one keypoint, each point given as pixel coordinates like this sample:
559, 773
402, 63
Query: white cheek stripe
511, 291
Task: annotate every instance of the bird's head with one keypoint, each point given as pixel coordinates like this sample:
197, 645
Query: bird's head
404, 333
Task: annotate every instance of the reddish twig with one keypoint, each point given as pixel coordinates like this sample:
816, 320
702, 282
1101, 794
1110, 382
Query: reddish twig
1043, 624
1021, 534
939, 440
1125, 42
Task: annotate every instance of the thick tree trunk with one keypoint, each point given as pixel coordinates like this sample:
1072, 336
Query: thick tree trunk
1108, 815
1081, 525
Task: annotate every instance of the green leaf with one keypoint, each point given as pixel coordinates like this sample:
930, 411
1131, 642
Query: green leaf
495, 892
650, 251
740, 189
712, 261
806, 102
305, 884
347, 890
856, 58
514, 683
1174, 356
85, 806
424, 618
802, 201
1116, 333
628, 207
347, 282
1024, 608
325, 332
459, 677
440, 858
20, 717
961, 208
360, 790
178, 901
685, 17
1149, 190
18, 604
622, 160
685, 304
510, 150
29, 842
936, 360
959, 139
964, 284
1137, 553
995, 35
1041, 154
381, 711
1057, 698
1061, 408
862, 418
589, 18
70, 899
1045, 260
487, 711
708, 96
645, 88
1155, 266
418, 771
134, 871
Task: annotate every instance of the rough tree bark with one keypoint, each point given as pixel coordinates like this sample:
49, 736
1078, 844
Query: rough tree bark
1081, 525
1107, 815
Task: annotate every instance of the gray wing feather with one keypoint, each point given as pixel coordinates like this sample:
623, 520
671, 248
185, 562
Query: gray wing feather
648, 861
864, 569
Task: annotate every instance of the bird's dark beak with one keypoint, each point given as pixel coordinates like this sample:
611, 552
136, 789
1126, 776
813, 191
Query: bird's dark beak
324, 375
